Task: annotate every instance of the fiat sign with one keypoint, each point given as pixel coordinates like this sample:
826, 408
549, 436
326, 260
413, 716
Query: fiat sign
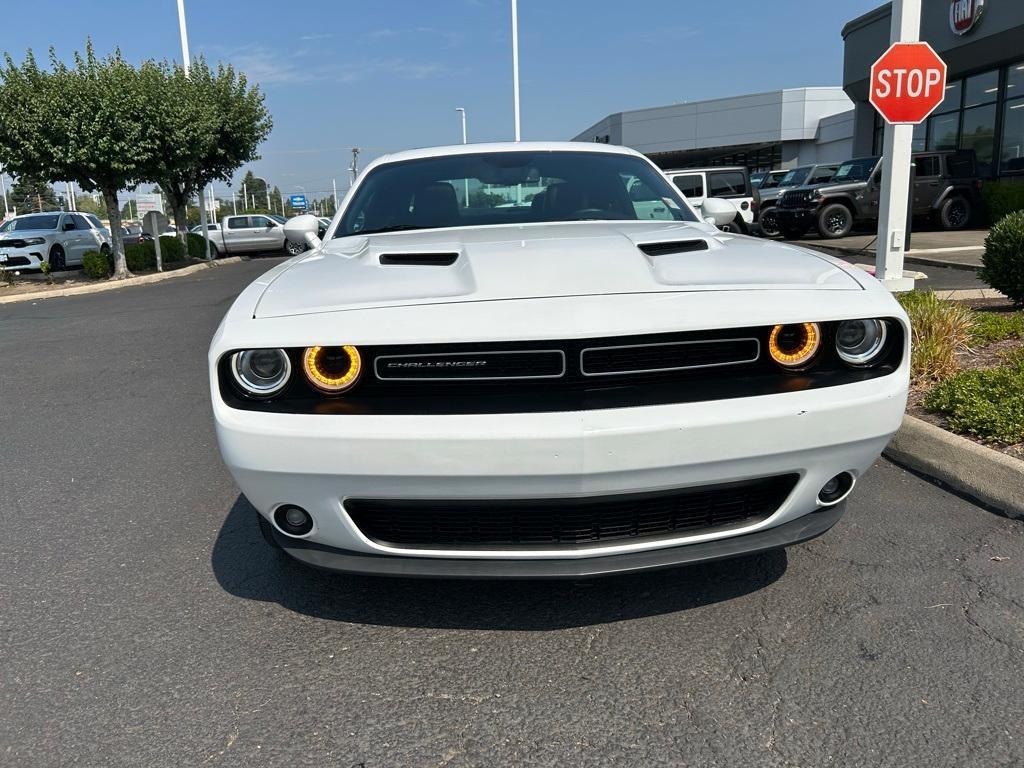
907, 82
964, 15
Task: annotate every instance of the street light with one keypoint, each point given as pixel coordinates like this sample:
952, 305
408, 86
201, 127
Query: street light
465, 182
515, 63
185, 61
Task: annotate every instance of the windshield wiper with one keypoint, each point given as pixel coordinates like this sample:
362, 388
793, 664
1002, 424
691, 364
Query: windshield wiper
392, 228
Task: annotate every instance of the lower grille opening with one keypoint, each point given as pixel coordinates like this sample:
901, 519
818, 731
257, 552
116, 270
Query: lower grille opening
567, 523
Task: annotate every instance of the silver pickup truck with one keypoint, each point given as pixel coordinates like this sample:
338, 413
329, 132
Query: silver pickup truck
246, 234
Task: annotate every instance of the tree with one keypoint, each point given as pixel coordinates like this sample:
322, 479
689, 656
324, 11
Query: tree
209, 124
88, 123
33, 194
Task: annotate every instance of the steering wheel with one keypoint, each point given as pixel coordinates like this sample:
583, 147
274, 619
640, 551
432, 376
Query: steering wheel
590, 213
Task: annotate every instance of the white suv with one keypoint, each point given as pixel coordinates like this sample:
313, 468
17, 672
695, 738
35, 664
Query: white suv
732, 184
60, 238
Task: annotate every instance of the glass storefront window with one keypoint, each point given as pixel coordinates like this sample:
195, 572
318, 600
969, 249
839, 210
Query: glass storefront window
979, 134
1012, 153
1015, 81
944, 131
981, 89
951, 100
920, 135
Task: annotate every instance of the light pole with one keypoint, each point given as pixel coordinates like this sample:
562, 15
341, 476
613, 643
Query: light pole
465, 182
3, 188
515, 63
185, 61
266, 188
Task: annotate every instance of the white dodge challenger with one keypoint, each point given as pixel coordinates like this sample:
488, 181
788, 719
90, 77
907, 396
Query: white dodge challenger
537, 360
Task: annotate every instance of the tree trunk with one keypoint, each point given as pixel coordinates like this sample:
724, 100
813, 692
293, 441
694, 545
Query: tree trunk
177, 199
117, 243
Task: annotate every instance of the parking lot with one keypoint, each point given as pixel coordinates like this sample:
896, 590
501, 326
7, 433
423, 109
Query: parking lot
143, 620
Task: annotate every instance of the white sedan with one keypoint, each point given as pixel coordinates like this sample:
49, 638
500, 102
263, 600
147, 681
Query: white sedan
448, 386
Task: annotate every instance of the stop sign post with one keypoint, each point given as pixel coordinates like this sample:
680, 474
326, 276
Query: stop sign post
907, 83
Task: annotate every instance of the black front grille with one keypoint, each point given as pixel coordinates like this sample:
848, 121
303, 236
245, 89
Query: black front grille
567, 523
12, 243
671, 356
15, 261
794, 199
471, 366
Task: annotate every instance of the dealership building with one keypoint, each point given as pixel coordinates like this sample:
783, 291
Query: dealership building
982, 42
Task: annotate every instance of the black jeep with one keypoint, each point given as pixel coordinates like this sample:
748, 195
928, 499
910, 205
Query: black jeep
945, 188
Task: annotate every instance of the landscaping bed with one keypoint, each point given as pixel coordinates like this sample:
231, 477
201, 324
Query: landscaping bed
968, 369
28, 283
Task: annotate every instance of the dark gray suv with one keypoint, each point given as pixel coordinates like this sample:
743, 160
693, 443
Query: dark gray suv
809, 175
945, 188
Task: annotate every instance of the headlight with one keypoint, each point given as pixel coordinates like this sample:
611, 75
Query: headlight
859, 342
816, 193
35, 241
794, 346
261, 372
332, 369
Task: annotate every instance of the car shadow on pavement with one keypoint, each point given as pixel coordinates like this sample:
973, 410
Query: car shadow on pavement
246, 566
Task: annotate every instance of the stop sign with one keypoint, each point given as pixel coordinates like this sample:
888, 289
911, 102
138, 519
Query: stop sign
907, 82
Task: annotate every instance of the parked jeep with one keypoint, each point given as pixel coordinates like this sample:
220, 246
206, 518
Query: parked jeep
730, 183
805, 175
944, 184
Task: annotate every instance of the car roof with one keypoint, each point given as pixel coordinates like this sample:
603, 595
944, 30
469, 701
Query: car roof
503, 146
705, 170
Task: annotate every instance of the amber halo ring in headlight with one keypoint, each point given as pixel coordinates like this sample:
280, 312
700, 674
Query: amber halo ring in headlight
332, 369
794, 345
860, 342
261, 372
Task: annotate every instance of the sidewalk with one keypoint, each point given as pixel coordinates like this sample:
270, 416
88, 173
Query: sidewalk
956, 250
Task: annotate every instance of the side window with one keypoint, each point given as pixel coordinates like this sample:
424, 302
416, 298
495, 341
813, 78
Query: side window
238, 222
821, 175
80, 222
95, 222
690, 186
260, 222
645, 201
727, 184
926, 166
962, 165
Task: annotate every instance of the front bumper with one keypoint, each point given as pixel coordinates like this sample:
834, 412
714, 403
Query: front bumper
29, 257
796, 218
787, 534
318, 461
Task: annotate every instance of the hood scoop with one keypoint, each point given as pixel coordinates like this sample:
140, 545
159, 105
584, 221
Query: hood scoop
418, 259
670, 248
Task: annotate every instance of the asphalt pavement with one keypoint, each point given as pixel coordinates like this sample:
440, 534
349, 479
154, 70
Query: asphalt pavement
143, 621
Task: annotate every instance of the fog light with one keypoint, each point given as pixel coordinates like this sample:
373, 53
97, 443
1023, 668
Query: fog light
292, 520
836, 489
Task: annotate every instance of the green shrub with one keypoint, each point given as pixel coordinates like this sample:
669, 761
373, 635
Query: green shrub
171, 249
996, 326
140, 257
95, 265
986, 403
1002, 198
1003, 260
938, 330
196, 246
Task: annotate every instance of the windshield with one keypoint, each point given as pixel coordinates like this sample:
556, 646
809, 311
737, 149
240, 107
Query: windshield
795, 178
25, 223
771, 181
856, 170
516, 187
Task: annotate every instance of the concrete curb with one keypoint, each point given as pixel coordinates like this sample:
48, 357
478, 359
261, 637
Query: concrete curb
910, 258
936, 262
111, 285
972, 469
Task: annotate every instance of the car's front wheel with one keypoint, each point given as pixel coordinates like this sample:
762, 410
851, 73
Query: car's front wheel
835, 221
770, 223
57, 259
955, 213
294, 249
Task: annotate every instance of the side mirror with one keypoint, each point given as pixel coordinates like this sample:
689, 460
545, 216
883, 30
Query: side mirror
302, 230
718, 212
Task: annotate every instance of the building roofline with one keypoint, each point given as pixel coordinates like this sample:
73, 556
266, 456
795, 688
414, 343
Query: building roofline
863, 20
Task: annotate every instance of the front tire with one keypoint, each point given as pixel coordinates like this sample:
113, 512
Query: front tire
57, 259
834, 221
955, 213
770, 223
294, 249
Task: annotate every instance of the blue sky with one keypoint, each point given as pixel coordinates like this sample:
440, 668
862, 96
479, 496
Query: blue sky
388, 74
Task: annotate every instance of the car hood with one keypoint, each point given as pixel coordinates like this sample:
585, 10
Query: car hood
538, 261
